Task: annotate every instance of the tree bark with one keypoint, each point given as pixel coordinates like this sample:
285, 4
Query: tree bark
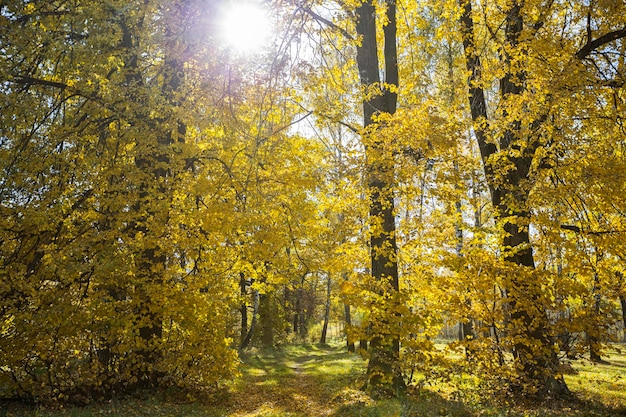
593, 339
255, 310
383, 375
326, 312
347, 314
267, 320
622, 300
297, 312
348, 323
155, 166
243, 308
537, 362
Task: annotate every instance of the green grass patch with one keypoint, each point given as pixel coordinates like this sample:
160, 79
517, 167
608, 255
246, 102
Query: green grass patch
600, 383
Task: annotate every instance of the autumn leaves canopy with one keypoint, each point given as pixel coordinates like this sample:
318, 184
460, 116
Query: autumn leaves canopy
407, 165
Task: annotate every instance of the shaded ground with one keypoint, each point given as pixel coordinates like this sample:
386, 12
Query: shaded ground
311, 381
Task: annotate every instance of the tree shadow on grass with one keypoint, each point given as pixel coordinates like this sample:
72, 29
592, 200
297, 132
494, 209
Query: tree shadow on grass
590, 407
319, 381
357, 404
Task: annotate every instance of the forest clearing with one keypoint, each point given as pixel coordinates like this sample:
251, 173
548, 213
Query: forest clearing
315, 380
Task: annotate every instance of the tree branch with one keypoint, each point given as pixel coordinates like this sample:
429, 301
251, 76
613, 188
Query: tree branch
25, 18
288, 125
38, 81
327, 22
598, 42
577, 229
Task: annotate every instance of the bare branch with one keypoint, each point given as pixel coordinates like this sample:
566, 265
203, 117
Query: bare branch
577, 229
327, 22
280, 129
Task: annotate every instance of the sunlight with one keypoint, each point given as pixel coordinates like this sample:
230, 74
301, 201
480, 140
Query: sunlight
245, 26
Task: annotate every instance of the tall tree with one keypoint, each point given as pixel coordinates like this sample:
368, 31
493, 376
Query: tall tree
507, 165
380, 99
520, 138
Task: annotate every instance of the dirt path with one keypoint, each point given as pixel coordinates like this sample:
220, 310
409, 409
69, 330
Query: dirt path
304, 381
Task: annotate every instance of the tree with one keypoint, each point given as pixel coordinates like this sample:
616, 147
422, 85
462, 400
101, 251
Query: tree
516, 140
380, 98
95, 107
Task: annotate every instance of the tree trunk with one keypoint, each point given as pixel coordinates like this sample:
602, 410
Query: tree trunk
466, 328
383, 375
296, 314
363, 343
326, 312
348, 323
255, 309
243, 308
267, 320
155, 165
622, 301
532, 348
593, 339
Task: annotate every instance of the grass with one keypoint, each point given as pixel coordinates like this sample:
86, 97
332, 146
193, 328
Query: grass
311, 381
601, 384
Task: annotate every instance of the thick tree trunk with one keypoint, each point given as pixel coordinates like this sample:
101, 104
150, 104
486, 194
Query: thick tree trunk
383, 376
537, 361
155, 166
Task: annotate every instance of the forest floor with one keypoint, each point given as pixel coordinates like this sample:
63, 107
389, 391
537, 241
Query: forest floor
311, 381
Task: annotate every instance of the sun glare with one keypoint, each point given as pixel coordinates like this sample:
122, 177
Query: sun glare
245, 26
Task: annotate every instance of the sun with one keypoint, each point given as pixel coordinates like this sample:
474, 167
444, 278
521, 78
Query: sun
245, 26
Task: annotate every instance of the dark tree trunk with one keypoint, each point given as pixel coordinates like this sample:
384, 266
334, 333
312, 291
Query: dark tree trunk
363, 345
155, 165
326, 312
537, 362
348, 323
383, 375
622, 301
243, 308
267, 320
255, 309
297, 312
466, 330
593, 339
